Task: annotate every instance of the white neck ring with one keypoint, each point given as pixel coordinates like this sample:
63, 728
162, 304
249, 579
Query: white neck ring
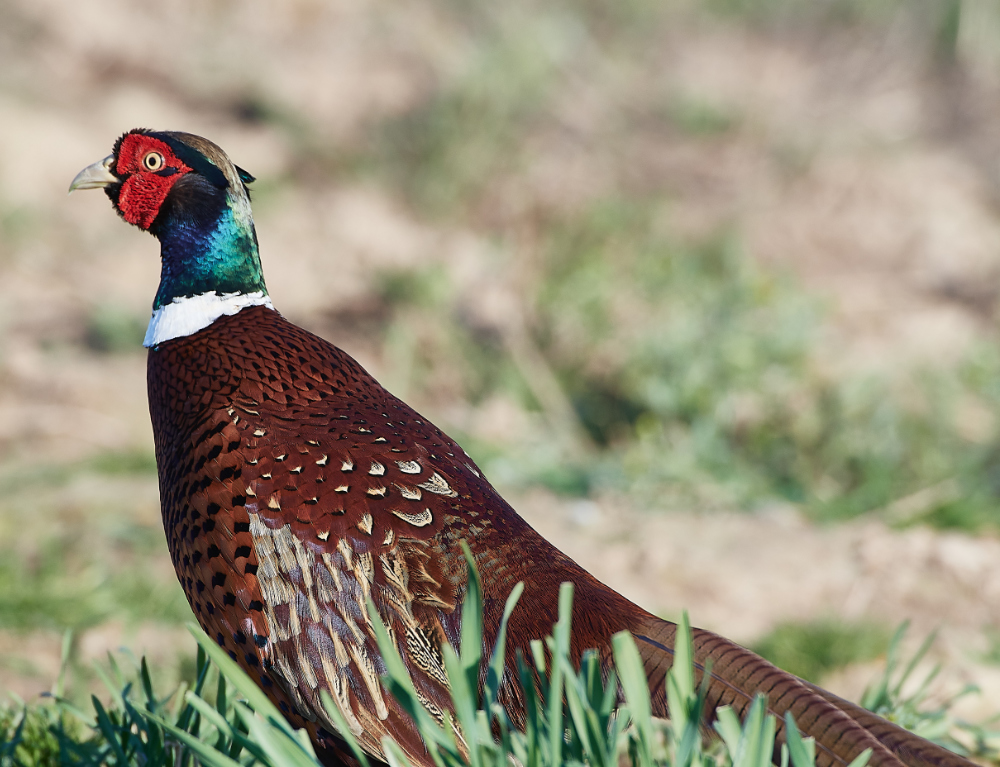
184, 316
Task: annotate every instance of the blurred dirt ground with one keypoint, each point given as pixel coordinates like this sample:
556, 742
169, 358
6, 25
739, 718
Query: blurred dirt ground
856, 166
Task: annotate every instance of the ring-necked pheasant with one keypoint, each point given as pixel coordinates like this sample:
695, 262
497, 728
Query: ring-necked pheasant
294, 487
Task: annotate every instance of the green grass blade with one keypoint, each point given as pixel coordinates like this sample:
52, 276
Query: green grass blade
280, 744
400, 685
239, 679
471, 648
206, 754
464, 700
333, 711
635, 685
59, 688
109, 732
209, 713
202, 666
802, 752
394, 754
727, 724
494, 675
147, 686
559, 647
115, 690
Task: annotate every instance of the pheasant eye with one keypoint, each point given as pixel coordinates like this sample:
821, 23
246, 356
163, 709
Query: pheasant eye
153, 161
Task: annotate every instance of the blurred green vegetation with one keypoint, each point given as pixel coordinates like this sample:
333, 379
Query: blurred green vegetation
81, 547
901, 694
689, 372
112, 330
28, 736
47, 590
811, 650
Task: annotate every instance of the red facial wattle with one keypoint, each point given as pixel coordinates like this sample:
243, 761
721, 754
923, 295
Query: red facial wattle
143, 190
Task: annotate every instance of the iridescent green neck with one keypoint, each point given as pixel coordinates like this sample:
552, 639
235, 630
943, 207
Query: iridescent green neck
212, 251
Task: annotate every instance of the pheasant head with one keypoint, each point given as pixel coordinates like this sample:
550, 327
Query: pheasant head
187, 193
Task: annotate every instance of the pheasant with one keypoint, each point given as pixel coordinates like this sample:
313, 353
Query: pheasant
294, 488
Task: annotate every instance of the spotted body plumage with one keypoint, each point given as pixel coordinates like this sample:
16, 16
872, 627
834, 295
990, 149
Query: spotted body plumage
296, 492
295, 488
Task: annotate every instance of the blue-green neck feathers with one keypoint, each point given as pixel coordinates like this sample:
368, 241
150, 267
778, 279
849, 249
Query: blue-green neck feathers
206, 254
207, 239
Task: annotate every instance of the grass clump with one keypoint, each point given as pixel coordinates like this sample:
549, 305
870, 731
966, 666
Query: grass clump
572, 714
28, 736
35, 735
901, 698
575, 716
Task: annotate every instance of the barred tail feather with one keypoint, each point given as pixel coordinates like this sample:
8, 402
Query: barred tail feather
841, 729
911, 749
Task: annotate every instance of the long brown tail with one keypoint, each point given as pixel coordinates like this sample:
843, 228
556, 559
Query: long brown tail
841, 729
910, 749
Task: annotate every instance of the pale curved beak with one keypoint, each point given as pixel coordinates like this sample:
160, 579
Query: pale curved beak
96, 176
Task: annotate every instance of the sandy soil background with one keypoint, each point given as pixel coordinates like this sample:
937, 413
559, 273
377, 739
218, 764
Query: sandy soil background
858, 169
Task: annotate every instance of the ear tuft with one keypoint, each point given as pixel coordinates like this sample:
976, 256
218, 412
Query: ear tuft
245, 177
